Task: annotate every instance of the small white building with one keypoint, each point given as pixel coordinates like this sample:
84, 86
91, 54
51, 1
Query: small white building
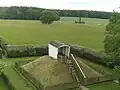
56, 48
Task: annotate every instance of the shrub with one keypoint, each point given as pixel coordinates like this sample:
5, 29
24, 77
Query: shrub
23, 51
0, 53
89, 54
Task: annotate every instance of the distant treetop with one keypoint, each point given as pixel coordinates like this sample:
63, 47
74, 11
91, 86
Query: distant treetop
33, 13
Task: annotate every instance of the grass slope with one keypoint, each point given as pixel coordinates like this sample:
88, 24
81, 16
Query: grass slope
11, 61
32, 32
88, 71
17, 80
99, 68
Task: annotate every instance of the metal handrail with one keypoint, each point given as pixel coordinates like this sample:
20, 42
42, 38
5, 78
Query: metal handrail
78, 66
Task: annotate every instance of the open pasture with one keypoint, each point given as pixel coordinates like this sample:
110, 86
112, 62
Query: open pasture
32, 32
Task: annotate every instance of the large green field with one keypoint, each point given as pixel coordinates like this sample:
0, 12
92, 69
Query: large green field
32, 32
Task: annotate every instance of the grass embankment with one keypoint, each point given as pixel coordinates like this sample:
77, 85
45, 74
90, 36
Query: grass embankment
10, 62
107, 71
17, 80
3, 86
88, 71
105, 86
100, 68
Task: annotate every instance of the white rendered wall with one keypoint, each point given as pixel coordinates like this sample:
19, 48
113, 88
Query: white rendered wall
53, 51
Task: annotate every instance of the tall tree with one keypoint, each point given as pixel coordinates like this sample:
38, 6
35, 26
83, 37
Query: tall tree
47, 17
112, 37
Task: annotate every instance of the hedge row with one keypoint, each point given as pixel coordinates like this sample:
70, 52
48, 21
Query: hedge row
88, 54
14, 51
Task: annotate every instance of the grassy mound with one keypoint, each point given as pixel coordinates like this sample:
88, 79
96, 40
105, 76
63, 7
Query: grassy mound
48, 71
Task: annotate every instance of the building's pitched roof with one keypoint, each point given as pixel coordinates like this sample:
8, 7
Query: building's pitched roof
57, 44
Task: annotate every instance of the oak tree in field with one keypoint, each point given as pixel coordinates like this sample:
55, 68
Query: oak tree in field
47, 17
112, 37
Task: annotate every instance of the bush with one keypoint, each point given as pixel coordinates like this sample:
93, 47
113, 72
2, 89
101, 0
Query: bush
89, 54
0, 53
14, 51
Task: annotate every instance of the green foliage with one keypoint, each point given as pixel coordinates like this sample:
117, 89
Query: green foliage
0, 53
105, 86
3, 46
33, 13
47, 17
89, 54
3, 43
80, 21
25, 50
2, 65
112, 37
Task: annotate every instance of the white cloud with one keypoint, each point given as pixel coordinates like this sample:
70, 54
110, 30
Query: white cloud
102, 5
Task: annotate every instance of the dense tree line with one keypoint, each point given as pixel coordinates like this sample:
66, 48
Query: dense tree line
33, 13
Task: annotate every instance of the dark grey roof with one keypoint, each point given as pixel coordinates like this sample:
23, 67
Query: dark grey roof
57, 44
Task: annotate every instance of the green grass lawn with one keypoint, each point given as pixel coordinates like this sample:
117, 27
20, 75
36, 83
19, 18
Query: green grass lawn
11, 61
17, 80
32, 32
88, 71
101, 69
105, 86
91, 21
3, 86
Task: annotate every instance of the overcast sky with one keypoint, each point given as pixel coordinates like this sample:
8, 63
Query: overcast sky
102, 5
